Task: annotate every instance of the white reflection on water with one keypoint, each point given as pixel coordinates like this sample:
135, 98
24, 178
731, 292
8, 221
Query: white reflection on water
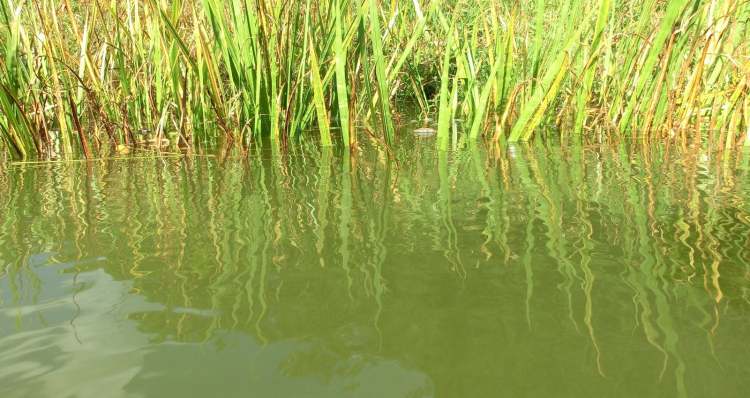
83, 343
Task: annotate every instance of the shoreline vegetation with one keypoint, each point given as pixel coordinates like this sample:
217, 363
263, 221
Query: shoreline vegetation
94, 78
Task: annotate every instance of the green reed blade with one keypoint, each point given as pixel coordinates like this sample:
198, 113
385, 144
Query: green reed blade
674, 10
444, 108
339, 52
318, 97
380, 72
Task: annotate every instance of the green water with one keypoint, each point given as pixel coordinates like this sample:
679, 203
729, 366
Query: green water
523, 272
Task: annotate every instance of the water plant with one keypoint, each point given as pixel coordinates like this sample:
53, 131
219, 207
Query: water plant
92, 77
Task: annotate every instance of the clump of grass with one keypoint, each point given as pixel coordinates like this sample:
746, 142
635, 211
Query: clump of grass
86, 77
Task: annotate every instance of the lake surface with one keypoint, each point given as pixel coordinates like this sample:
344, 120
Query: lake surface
600, 271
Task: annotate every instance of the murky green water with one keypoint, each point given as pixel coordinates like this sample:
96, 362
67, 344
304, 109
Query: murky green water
528, 272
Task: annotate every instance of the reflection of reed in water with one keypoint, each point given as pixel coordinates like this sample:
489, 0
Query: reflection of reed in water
583, 244
271, 245
445, 205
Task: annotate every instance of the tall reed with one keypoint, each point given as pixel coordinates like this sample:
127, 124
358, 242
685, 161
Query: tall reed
91, 77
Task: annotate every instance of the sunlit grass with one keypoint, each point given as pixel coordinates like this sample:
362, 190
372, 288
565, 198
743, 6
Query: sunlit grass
86, 77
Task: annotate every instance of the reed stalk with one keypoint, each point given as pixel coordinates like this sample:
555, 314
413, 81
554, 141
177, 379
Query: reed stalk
86, 77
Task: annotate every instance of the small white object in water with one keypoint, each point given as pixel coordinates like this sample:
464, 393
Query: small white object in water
424, 131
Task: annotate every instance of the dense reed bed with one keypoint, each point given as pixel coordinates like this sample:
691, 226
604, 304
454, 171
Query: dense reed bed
92, 77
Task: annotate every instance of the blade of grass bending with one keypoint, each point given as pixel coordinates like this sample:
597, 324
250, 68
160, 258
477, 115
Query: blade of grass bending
674, 10
588, 78
551, 93
340, 70
382, 87
57, 89
318, 98
444, 109
543, 93
79, 129
15, 118
537, 46
504, 79
173, 32
747, 121
398, 58
481, 110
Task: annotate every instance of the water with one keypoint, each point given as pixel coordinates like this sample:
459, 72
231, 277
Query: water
532, 271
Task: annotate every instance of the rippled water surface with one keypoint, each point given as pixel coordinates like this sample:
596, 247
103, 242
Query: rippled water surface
528, 271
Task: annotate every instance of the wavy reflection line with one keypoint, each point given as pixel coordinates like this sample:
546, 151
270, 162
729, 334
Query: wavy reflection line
381, 253
633, 277
264, 256
553, 216
451, 251
584, 247
490, 222
549, 215
532, 204
649, 273
344, 199
321, 213
503, 234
